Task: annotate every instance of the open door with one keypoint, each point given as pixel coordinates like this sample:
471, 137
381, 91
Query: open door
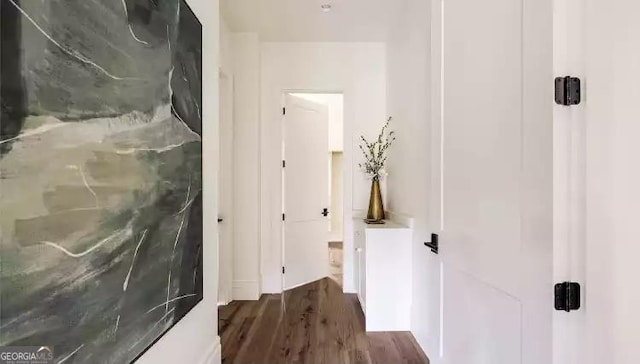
306, 192
497, 178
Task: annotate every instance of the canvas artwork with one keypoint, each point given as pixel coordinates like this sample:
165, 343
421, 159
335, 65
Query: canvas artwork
100, 174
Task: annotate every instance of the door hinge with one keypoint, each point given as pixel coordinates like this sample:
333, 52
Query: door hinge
283, 216
567, 296
567, 90
282, 270
284, 111
284, 164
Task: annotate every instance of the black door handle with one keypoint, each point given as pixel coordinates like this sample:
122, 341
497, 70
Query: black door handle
220, 219
433, 244
325, 212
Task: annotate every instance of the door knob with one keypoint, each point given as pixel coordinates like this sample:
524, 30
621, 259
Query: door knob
325, 212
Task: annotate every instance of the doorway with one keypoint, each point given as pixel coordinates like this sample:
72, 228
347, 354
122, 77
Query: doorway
313, 188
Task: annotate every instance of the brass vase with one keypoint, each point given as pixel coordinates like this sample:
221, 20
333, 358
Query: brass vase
376, 209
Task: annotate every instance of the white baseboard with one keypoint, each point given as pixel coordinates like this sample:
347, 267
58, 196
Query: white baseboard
224, 297
214, 353
246, 291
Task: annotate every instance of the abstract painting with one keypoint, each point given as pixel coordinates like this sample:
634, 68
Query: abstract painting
100, 174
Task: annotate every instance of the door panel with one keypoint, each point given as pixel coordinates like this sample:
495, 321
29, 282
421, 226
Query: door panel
306, 252
306, 191
482, 136
490, 317
497, 182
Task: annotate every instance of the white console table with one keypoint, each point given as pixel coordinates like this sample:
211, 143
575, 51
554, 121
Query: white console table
383, 268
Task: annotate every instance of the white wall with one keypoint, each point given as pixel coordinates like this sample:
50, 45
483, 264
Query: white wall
357, 70
246, 146
226, 48
612, 58
409, 183
194, 339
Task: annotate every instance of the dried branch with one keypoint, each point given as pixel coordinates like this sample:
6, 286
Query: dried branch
375, 153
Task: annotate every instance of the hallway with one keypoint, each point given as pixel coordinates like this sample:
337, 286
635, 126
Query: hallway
314, 323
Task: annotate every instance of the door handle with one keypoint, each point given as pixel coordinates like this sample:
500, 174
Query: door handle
433, 244
325, 212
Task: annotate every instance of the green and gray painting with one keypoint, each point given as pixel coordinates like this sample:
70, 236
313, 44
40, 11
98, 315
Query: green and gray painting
100, 174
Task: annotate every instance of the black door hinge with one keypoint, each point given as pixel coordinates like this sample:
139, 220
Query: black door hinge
284, 111
567, 296
284, 164
433, 244
282, 217
567, 90
282, 270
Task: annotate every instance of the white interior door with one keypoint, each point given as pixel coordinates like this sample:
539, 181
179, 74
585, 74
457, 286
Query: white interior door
613, 182
497, 166
225, 192
306, 186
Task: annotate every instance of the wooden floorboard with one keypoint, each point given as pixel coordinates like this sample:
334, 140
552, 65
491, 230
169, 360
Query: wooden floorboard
315, 323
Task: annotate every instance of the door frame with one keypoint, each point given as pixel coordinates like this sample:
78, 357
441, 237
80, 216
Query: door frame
226, 77
347, 188
569, 181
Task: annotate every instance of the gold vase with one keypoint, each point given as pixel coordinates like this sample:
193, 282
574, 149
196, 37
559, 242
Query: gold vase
376, 209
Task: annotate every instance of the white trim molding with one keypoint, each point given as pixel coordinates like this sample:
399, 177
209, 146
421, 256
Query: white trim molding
214, 353
245, 290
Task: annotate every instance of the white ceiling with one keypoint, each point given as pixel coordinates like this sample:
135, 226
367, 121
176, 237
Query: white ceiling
304, 20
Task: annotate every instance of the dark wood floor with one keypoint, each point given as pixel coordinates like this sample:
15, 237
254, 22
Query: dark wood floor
315, 323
